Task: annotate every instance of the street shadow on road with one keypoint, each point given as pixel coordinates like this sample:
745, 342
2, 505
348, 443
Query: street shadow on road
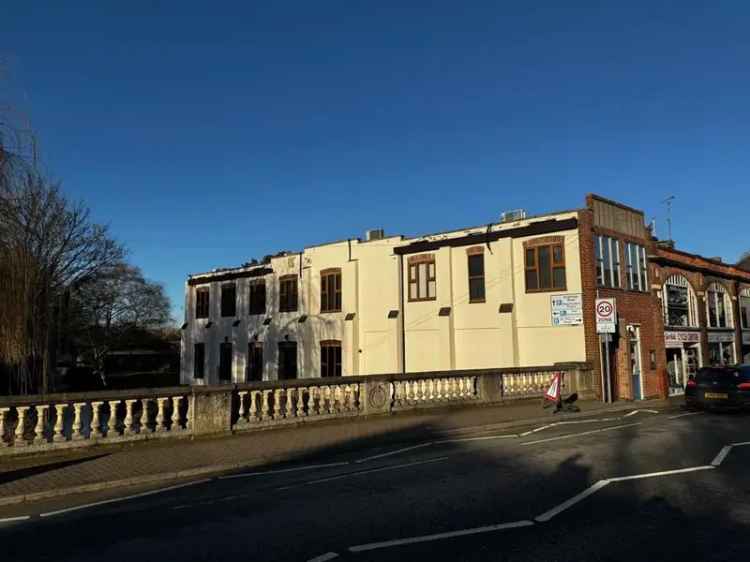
12, 475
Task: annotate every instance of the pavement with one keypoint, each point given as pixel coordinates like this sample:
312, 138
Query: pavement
647, 482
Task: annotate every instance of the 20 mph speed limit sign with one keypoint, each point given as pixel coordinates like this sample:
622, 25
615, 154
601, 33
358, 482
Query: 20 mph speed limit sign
606, 316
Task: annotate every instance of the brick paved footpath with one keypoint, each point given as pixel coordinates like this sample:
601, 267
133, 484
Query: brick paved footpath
106, 467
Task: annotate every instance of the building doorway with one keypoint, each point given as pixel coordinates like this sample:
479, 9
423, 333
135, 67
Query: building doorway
636, 370
682, 363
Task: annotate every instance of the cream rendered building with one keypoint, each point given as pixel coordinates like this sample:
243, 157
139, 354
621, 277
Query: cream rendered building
391, 305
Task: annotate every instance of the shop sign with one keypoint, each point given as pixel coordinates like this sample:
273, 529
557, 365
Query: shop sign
677, 339
606, 316
723, 338
745, 338
567, 310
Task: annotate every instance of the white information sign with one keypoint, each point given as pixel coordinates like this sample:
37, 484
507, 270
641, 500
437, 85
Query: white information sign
567, 310
606, 316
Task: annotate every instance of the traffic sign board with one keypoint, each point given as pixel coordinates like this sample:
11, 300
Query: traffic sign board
606, 316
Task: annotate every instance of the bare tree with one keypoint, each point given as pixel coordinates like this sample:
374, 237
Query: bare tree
47, 245
113, 305
744, 262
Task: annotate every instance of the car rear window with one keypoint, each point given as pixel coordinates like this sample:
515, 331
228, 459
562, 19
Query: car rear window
719, 374
744, 371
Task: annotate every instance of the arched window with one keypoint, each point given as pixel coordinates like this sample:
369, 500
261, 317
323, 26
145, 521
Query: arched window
680, 305
718, 307
745, 309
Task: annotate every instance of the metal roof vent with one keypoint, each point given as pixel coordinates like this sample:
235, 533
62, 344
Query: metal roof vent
514, 215
374, 234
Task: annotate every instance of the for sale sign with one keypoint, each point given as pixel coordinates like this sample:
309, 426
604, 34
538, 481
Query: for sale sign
606, 316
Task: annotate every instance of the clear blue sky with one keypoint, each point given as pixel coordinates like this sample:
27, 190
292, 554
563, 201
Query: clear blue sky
206, 134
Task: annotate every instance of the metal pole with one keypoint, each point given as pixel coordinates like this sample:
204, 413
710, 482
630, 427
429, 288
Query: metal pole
609, 375
602, 368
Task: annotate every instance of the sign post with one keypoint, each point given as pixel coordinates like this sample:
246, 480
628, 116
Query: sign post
606, 325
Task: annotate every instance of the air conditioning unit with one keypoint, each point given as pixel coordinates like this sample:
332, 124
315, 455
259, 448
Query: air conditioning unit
514, 215
374, 234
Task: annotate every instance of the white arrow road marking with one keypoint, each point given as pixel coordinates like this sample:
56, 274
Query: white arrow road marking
718, 459
662, 473
438, 536
547, 515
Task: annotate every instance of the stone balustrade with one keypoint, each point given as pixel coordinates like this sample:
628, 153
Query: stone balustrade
40, 423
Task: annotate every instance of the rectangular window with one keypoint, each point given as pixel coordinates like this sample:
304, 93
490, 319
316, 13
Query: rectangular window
636, 267
717, 313
476, 278
745, 312
545, 268
257, 297
199, 360
330, 290
288, 293
422, 282
201, 303
678, 306
254, 362
330, 358
229, 300
225, 361
607, 261
287, 360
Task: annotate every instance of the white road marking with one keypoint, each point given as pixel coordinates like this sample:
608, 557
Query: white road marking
683, 415
662, 473
283, 470
572, 422
485, 438
396, 452
741, 444
438, 536
125, 498
525, 433
324, 557
361, 473
547, 515
571, 435
14, 519
634, 412
718, 459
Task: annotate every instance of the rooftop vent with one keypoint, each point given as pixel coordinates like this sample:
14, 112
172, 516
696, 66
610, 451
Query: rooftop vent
514, 215
374, 234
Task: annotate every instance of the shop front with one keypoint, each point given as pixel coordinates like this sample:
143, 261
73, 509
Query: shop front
683, 358
745, 347
721, 348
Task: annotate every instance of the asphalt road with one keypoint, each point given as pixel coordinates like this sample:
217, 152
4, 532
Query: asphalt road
478, 494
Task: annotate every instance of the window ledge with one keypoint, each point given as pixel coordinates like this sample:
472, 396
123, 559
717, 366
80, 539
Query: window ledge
555, 290
423, 300
477, 301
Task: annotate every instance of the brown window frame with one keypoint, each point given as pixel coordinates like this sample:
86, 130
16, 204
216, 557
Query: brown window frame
330, 292
330, 358
413, 279
256, 297
228, 306
202, 305
288, 300
254, 368
476, 253
533, 246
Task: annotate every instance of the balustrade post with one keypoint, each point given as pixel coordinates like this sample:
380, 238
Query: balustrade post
254, 405
129, 425
278, 413
141, 420
176, 424
59, 431
290, 392
265, 406
160, 427
20, 427
311, 401
41, 414
3, 421
77, 421
300, 395
243, 410
96, 423
112, 422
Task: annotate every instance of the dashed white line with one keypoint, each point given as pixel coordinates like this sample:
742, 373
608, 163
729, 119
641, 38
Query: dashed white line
683, 415
396, 452
634, 412
718, 459
661, 473
125, 498
438, 536
360, 473
485, 438
547, 515
571, 435
525, 433
14, 519
284, 470
324, 557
